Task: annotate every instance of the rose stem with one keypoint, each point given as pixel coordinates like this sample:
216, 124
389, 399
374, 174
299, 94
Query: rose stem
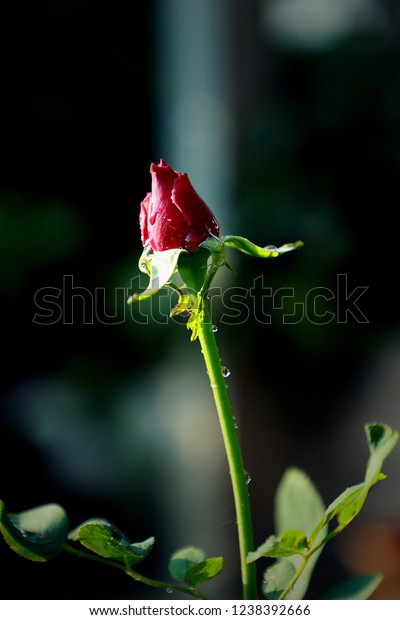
232, 447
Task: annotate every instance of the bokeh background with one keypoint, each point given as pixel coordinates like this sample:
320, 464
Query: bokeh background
286, 115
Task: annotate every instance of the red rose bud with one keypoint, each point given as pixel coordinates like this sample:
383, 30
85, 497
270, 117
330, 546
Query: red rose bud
173, 215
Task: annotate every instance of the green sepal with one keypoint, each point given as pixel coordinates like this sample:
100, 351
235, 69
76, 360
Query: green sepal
216, 246
358, 588
184, 303
196, 318
269, 251
39, 534
106, 540
198, 273
289, 543
145, 260
193, 267
160, 266
277, 578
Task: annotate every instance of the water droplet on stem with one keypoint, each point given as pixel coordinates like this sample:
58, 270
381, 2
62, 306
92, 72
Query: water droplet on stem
225, 371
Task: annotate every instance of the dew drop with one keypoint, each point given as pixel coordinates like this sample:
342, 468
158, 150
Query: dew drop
214, 329
213, 386
169, 591
225, 371
236, 425
248, 477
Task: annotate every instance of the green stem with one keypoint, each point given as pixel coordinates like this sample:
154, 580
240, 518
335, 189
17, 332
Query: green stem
155, 583
232, 447
327, 538
162, 584
291, 585
302, 566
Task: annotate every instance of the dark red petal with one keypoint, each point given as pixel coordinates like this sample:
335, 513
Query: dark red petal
144, 208
163, 178
194, 237
168, 231
166, 225
193, 208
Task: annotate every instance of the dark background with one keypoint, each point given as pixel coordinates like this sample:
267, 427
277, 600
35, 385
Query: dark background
315, 156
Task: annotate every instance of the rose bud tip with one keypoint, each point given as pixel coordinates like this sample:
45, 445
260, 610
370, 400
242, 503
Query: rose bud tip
173, 215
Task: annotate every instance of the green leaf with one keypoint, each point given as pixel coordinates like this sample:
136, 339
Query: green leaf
347, 513
38, 534
355, 589
297, 502
204, 571
299, 505
192, 267
269, 251
106, 540
183, 560
381, 441
277, 578
161, 266
343, 500
289, 543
